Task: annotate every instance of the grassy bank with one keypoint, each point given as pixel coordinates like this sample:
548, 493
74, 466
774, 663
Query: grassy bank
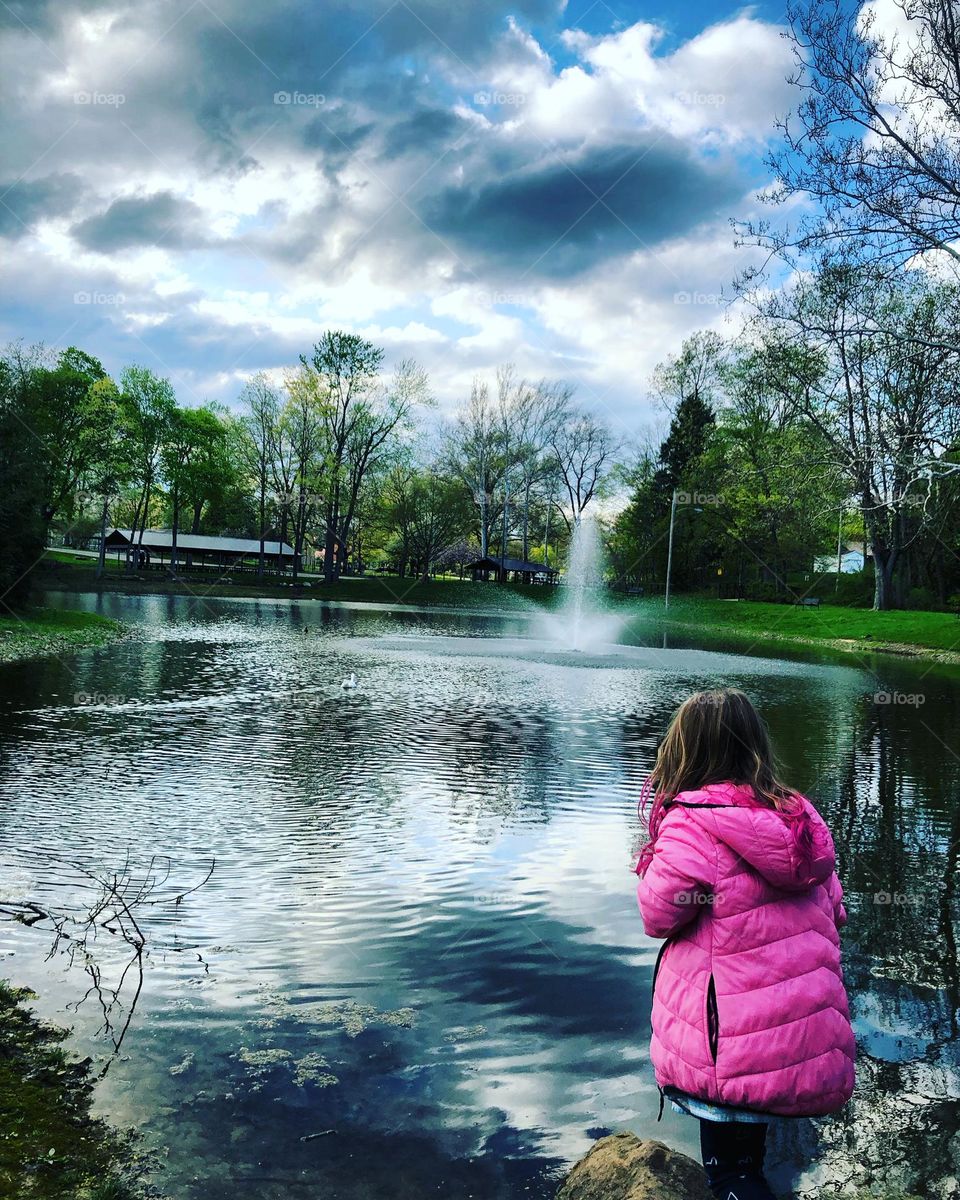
64, 571
37, 632
932, 634
50, 1146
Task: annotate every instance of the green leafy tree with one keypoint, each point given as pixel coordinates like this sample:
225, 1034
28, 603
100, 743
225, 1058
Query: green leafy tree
191, 460
346, 366
149, 405
22, 496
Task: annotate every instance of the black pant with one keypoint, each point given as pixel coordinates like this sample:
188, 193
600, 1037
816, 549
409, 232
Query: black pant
732, 1153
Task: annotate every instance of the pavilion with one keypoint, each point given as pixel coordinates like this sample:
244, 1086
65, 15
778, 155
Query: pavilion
198, 549
522, 571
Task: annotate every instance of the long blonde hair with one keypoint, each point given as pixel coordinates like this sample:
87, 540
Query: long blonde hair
715, 737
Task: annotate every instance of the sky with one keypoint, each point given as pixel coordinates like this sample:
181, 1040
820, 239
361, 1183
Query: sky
204, 186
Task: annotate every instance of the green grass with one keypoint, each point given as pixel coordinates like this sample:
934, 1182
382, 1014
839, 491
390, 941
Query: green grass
830, 624
36, 632
50, 1146
68, 556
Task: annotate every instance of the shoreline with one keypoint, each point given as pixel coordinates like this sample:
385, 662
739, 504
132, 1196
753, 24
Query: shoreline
910, 650
52, 1142
849, 630
40, 632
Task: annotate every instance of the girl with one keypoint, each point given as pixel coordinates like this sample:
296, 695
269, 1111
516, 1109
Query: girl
750, 1016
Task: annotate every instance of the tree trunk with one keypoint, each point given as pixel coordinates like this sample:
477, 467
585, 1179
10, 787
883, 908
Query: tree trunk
263, 523
284, 530
173, 534
329, 544
102, 556
883, 564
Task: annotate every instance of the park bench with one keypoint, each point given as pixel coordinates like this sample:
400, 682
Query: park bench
809, 602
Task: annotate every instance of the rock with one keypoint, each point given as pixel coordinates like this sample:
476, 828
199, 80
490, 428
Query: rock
622, 1167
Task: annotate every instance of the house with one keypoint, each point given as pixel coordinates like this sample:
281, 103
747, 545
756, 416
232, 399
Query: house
852, 559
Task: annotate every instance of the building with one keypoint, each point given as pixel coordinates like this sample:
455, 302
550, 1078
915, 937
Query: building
852, 560
501, 569
155, 547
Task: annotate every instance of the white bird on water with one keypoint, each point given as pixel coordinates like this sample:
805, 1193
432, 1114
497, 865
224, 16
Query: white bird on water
349, 683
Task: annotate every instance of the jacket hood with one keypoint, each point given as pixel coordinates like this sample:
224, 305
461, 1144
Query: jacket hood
772, 845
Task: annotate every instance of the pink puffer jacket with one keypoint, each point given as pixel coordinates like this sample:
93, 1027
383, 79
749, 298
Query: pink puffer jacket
749, 1006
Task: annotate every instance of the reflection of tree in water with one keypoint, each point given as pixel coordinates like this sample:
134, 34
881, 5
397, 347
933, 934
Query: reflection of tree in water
900, 1129
889, 795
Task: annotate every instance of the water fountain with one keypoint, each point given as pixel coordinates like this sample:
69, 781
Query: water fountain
581, 624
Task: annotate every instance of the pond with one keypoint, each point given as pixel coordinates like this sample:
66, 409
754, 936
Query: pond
418, 967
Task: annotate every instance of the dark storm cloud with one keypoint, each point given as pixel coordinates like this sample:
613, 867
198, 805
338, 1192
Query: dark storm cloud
22, 204
162, 219
337, 136
561, 218
314, 46
427, 130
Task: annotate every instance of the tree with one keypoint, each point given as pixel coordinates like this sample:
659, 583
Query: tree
870, 363
260, 421
22, 497
74, 419
304, 419
527, 415
377, 418
778, 496
112, 468
874, 138
582, 448
212, 471
148, 404
191, 449
440, 518
346, 366
474, 454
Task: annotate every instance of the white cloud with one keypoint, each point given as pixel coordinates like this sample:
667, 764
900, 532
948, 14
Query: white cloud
308, 224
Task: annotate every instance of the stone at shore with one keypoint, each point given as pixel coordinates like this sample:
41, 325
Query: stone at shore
622, 1167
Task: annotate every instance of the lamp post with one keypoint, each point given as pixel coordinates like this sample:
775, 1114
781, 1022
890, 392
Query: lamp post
503, 539
673, 513
836, 582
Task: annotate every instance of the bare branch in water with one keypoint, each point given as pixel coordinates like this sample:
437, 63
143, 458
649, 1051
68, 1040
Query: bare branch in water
117, 907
